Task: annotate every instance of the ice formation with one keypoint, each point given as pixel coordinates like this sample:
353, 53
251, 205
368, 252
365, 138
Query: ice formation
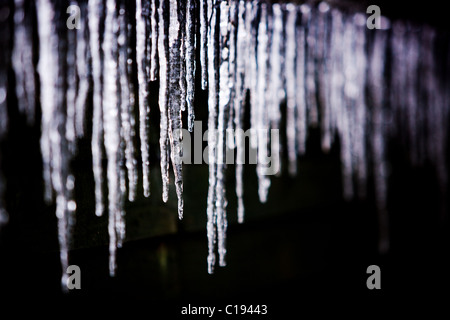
329, 69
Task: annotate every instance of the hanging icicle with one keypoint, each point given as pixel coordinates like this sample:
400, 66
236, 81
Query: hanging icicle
142, 39
238, 104
55, 146
261, 124
213, 81
22, 60
127, 102
95, 13
291, 83
163, 53
83, 70
224, 104
176, 99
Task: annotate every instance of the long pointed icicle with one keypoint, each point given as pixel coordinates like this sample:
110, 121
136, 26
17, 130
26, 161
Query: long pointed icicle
144, 108
276, 91
251, 77
291, 82
224, 101
323, 75
83, 72
239, 107
376, 94
95, 9
126, 148
309, 20
301, 119
261, 114
163, 53
346, 123
230, 137
360, 104
212, 119
127, 106
22, 60
111, 120
54, 145
175, 101
71, 91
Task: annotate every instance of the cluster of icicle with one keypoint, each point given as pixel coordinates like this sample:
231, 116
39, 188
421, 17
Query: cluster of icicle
326, 65
332, 72
100, 49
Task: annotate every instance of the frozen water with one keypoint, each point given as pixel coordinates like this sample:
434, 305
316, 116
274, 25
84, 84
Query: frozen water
322, 63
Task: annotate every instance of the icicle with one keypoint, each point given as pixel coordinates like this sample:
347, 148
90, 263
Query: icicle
376, 93
411, 59
154, 42
111, 121
399, 75
95, 9
260, 112
309, 20
251, 9
204, 22
175, 101
126, 106
126, 142
212, 119
83, 72
360, 135
54, 146
230, 138
323, 74
191, 44
336, 79
22, 60
48, 74
347, 123
251, 77
224, 100
71, 92
436, 115
291, 82
276, 93
239, 107
301, 121
163, 53
144, 108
